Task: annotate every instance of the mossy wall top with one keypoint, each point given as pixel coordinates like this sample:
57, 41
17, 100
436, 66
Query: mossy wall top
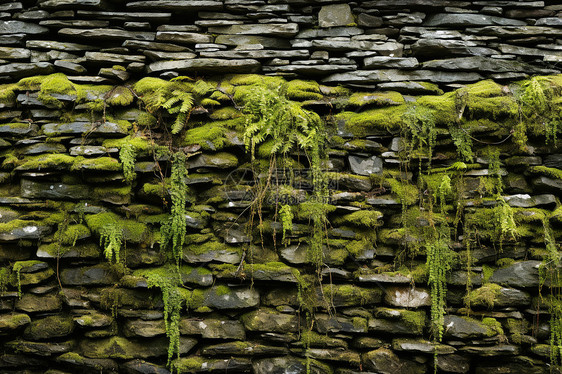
358, 207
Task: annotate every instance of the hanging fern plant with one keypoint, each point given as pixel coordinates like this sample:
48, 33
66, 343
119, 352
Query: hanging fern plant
173, 230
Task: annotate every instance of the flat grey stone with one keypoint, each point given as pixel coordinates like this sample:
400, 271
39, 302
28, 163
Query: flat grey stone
40, 148
412, 88
107, 128
335, 15
447, 47
9, 53
549, 21
74, 23
310, 69
236, 298
386, 62
367, 20
54, 4
515, 31
177, 5
69, 67
88, 276
208, 65
158, 55
24, 69
463, 19
464, 328
45, 190
252, 40
166, 47
276, 29
267, 53
480, 63
127, 16
113, 58
61, 46
31, 231
527, 201
331, 32
109, 34
183, 37
390, 75
19, 27
521, 274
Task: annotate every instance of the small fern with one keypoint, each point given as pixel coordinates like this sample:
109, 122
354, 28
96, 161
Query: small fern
111, 239
127, 156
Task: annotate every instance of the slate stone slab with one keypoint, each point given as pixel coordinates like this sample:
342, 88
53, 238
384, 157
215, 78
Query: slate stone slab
463, 19
19, 27
276, 29
23, 69
206, 65
190, 5
109, 34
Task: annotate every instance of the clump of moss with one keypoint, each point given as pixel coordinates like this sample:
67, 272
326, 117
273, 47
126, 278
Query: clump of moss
549, 172
303, 90
7, 93
120, 96
72, 233
47, 85
211, 135
100, 164
484, 296
359, 99
47, 162
361, 218
443, 108
407, 194
359, 124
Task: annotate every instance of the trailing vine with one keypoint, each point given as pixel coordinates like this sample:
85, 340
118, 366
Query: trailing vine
173, 230
175, 298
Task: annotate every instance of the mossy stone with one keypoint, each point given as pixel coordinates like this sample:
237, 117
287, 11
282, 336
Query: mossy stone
11, 322
49, 328
122, 348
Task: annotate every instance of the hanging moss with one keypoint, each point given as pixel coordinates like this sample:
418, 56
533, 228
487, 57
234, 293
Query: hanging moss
175, 298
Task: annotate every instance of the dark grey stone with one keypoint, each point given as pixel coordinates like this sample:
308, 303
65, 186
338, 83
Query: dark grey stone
106, 34
463, 19
521, 274
206, 65
23, 69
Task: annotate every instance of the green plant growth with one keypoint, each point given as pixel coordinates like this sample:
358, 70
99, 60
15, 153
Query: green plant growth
286, 214
174, 297
173, 230
178, 96
4, 278
537, 109
111, 239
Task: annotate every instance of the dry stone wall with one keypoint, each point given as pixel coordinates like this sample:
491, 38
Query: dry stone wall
361, 43
377, 193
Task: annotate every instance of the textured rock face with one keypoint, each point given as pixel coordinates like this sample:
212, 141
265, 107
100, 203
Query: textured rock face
424, 155
501, 40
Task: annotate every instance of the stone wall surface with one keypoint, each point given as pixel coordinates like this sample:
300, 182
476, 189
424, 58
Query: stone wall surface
280, 187
361, 43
